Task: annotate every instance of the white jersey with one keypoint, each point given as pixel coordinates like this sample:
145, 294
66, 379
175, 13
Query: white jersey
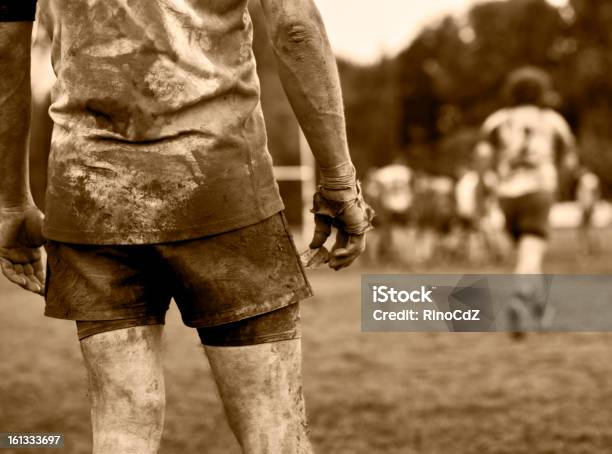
525, 139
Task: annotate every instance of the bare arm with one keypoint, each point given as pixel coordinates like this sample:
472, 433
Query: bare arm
15, 40
20, 220
308, 72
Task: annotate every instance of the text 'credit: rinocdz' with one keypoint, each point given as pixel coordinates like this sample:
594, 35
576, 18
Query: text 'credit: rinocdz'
480, 303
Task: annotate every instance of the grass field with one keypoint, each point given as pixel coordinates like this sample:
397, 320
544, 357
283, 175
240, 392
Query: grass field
366, 393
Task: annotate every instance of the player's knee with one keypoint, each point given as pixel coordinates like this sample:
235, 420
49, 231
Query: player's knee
531, 290
146, 399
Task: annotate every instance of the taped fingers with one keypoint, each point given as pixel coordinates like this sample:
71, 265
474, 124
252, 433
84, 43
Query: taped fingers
323, 226
352, 219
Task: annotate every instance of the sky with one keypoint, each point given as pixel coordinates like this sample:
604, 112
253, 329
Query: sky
365, 30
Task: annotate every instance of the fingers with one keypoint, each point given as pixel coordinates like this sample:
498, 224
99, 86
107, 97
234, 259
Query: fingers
323, 225
11, 274
313, 258
22, 275
39, 272
346, 250
34, 278
20, 255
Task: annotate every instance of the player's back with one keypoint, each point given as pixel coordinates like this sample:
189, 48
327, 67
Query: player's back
526, 139
142, 69
159, 134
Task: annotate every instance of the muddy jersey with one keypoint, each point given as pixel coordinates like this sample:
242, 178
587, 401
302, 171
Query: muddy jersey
525, 141
159, 134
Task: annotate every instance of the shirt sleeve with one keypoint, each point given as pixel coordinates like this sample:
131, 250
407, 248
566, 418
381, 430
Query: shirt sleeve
17, 10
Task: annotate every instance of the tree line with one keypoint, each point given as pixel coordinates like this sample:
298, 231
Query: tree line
426, 104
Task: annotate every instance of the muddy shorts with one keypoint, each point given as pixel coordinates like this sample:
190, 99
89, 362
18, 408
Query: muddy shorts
238, 288
527, 214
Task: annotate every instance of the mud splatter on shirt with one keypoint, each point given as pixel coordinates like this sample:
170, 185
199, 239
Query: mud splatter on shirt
159, 134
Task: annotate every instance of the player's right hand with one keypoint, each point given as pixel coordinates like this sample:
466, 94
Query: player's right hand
20, 241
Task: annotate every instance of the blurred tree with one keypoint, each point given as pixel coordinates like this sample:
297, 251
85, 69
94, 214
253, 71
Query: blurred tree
588, 83
371, 112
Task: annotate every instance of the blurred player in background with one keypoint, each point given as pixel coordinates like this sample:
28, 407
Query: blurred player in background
474, 202
390, 189
588, 194
434, 213
525, 144
160, 186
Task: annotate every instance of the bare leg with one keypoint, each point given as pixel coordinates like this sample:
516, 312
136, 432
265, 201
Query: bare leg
261, 389
531, 251
126, 386
529, 301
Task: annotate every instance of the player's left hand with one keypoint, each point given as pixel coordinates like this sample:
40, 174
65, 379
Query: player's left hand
20, 241
352, 219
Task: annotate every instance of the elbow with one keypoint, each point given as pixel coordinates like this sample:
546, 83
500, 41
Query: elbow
293, 34
297, 32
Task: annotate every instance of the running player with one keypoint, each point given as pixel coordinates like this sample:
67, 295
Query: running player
474, 204
160, 186
525, 143
588, 194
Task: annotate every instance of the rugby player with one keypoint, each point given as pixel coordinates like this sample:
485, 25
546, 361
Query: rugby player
525, 143
160, 186
390, 190
474, 203
588, 194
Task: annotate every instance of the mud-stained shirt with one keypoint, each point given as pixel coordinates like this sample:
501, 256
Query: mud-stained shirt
158, 129
526, 140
